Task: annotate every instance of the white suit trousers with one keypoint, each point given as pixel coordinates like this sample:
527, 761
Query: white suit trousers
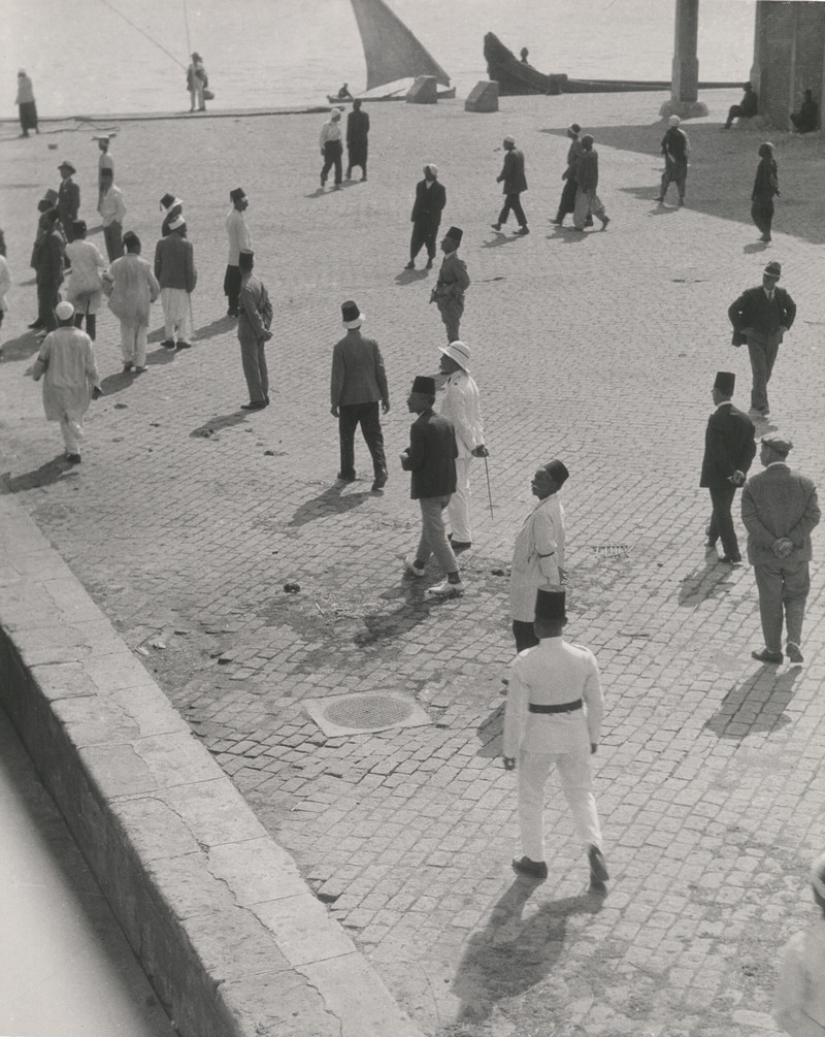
576, 779
133, 344
175, 302
458, 509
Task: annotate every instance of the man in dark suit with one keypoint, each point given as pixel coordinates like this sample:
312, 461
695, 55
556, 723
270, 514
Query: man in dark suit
729, 450
779, 509
358, 130
514, 180
430, 199
760, 317
431, 459
68, 200
357, 384
453, 281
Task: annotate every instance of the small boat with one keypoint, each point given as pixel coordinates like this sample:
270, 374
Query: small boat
515, 77
442, 93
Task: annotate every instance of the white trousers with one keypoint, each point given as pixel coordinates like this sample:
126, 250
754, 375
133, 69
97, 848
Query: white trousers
133, 343
576, 779
72, 429
175, 302
458, 509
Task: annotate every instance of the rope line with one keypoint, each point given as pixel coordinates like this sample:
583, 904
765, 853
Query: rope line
146, 34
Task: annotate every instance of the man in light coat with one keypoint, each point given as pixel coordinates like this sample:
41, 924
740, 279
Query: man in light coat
177, 277
253, 333
112, 209
460, 406
134, 289
332, 147
553, 716
538, 555
779, 509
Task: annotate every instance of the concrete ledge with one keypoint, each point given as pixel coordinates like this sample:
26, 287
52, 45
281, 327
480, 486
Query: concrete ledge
227, 931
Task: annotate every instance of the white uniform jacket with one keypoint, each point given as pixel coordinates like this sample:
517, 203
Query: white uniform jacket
460, 406
538, 556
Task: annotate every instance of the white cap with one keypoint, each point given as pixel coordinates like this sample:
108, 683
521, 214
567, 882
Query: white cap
64, 310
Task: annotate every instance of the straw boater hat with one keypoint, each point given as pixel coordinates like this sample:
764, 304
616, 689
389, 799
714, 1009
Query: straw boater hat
351, 316
459, 352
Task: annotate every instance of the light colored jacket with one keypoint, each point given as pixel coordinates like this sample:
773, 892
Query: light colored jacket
68, 361
538, 557
135, 289
461, 406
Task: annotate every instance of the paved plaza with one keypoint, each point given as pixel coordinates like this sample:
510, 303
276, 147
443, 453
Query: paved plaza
188, 516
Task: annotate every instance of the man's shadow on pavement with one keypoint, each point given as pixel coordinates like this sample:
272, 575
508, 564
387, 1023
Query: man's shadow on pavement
755, 246
217, 327
502, 239
333, 501
20, 348
568, 235
47, 474
704, 582
160, 357
213, 425
510, 957
754, 705
115, 383
412, 276
490, 733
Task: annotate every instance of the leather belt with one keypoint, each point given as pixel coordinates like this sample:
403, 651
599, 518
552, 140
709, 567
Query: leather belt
564, 707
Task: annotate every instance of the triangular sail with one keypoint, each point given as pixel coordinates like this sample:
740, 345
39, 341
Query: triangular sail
391, 50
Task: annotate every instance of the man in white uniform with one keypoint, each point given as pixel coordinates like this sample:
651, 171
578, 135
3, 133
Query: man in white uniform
554, 715
460, 406
800, 995
240, 240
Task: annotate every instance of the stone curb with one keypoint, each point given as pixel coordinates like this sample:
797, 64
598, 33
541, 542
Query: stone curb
217, 913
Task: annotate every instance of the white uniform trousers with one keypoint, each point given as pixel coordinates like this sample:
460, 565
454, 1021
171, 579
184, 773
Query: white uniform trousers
458, 509
72, 428
576, 779
133, 343
176, 310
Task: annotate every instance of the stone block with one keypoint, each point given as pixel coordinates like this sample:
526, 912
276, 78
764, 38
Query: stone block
423, 91
483, 97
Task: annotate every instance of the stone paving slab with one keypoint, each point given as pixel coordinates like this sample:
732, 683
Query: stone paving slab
188, 516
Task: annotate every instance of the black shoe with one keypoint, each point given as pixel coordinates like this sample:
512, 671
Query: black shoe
496, 226
598, 866
127, 367
266, 400
254, 405
231, 313
605, 222
460, 545
168, 343
73, 458
429, 264
530, 869
795, 657
345, 478
523, 230
731, 559
37, 324
559, 221
380, 482
767, 657
410, 265
184, 345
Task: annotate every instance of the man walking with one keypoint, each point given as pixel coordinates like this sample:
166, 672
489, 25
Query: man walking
675, 148
358, 129
553, 716
177, 277
431, 459
430, 199
460, 407
332, 147
453, 281
779, 509
134, 289
112, 211
729, 451
567, 203
254, 320
587, 176
239, 240
538, 555
357, 384
68, 199
760, 317
514, 180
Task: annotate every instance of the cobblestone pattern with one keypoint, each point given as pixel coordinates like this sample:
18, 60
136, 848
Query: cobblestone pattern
187, 516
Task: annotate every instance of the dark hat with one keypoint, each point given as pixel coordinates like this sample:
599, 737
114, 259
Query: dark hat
557, 470
773, 269
725, 381
69, 166
587, 140
351, 316
455, 233
781, 444
574, 126
169, 201
48, 200
424, 385
79, 228
237, 194
130, 240
550, 603
246, 259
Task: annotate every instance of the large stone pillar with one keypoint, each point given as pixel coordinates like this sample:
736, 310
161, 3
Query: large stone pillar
685, 71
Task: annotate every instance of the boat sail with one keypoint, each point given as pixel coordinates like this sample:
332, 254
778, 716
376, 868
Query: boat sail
392, 52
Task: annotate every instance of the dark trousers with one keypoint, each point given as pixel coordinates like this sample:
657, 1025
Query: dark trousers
68, 229
568, 198
675, 172
763, 357
232, 288
762, 214
113, 239
721, 521
524, 634
350, 416
423, 233
735, 112
91, 323
783, 587
48, 296
512, 201
333, 150
253, 358
357, 156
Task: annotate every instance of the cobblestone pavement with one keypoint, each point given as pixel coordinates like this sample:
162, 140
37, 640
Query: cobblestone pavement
187, 517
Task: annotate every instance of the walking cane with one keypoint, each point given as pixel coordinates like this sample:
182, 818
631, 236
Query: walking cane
489, 490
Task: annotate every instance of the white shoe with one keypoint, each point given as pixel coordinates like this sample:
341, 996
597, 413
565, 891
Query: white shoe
447, 590
414, 570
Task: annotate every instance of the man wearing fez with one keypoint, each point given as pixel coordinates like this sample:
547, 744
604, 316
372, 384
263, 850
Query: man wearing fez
253, 332
68, 199
430, 458
430, 199
48, 260
799, 1006
358, 129
729, 449
174, 208
452, 283
357, 384
239, 239
177, 277
779, 509
554, 715
538, 556
514, 180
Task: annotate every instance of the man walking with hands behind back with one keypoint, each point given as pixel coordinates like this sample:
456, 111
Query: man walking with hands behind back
729, 451
357, 384
779, 509
254, 320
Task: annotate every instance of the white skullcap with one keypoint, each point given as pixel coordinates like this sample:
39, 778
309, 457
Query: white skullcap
674, 120
64, 310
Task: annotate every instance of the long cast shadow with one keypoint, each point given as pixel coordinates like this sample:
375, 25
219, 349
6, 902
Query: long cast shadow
47, 474
217, 327
333, 501
213, 425
754, 705
20, 348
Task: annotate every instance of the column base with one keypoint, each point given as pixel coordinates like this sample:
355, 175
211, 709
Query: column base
684, 109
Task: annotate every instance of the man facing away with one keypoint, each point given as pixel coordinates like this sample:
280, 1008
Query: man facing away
112, 211
514, 180
567, 202
68, 199
460, 406
357, 384
358, 129
48, 255
177, 277
760, 317
729, 450
676, 149
239, 240
538, 555
587, 177
253, 332
553, 715
430, 199
799, 1006
430, 458
453, 281
779, 509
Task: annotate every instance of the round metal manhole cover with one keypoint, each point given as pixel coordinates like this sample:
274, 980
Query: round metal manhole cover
368, 712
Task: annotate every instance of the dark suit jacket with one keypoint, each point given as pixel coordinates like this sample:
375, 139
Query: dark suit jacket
779, 503
512, 172
48, 259
729, 446
431, 456
753, 310
429, 201
68, 201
